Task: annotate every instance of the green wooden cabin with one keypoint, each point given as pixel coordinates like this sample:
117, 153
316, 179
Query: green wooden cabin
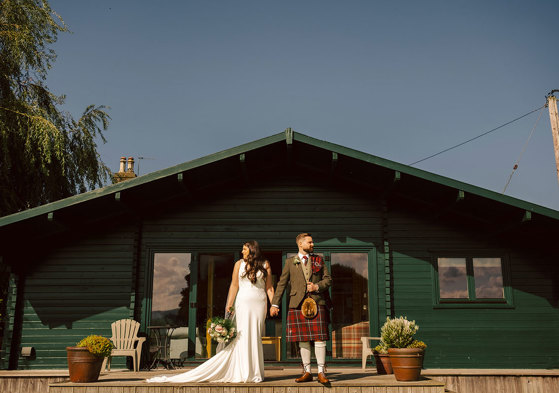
477, 270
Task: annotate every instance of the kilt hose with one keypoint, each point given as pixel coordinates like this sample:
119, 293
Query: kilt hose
300, 328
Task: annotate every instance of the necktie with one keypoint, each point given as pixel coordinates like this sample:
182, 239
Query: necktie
305, 258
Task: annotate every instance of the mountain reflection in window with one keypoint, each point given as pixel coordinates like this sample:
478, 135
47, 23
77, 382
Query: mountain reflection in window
488, 278
453, 281
171, 276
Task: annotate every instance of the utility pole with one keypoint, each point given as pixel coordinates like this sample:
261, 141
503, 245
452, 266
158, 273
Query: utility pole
554, 118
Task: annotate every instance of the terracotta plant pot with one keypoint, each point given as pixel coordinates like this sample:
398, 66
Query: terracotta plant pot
382, 360
83, 365
406, 363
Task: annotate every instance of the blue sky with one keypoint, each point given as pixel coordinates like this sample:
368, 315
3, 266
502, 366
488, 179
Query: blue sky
398, 79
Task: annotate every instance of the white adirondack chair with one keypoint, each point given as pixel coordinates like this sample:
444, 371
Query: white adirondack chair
126, 341
367, 350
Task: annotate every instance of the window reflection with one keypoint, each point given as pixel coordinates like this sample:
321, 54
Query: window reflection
350, 319
488, 278
171, 281
453, 281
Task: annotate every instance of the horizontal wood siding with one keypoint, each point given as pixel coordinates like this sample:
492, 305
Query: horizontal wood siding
8, 320
273, 212
524, 336
81, 288
77, 290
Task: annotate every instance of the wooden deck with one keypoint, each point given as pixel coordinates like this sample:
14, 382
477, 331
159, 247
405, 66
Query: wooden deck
278, 380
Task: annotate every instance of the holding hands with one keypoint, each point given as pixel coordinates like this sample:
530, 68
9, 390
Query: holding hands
311, 287
274, 311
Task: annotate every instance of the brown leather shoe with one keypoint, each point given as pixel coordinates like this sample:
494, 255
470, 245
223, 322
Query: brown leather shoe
306, 377
323, 379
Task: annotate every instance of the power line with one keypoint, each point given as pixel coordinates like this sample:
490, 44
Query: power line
515, 167
479, 136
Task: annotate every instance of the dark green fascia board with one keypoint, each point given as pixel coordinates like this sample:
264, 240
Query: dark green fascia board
129, 184
286, 136
429, 176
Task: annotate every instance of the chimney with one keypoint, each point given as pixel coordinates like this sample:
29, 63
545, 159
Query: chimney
122, 164
126, 170
130, 165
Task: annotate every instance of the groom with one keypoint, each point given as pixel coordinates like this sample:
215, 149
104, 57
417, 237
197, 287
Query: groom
307, 273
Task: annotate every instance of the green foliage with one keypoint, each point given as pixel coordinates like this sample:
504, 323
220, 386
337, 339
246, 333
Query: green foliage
98, 345
417, 344
381, 348
45, 154
221, 329
398, 332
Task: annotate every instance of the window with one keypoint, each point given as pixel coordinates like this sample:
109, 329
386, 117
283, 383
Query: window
171, 281
471, 280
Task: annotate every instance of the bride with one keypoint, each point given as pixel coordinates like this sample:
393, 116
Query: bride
242, 360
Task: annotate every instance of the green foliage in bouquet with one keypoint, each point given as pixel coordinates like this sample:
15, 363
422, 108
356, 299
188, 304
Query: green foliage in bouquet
221, 330
98, 345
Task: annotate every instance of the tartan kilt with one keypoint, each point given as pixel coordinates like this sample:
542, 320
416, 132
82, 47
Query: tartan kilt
300, 328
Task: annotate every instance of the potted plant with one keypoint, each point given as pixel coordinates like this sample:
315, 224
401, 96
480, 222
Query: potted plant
406, 353
382, 359
86, 358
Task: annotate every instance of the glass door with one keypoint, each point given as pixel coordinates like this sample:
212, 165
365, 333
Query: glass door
350, 298
214, 277
171, 287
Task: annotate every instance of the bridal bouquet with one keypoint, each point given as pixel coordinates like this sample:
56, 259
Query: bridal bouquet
221, 330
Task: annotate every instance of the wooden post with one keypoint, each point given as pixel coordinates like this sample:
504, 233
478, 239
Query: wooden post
552, 105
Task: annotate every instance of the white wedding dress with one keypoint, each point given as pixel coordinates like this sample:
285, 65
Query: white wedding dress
242, 360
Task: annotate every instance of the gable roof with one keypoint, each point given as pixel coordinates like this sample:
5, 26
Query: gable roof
287, 138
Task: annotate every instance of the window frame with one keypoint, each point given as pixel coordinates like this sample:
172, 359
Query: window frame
472, 302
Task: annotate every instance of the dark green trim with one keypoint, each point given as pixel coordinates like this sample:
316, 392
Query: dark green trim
290, 137
374, 318
192, 306
328, 261
344, 244
405, 169
129, 184
284, 313
387, 279
148, 289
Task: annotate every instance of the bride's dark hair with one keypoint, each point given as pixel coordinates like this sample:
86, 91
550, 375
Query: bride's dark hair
254, 261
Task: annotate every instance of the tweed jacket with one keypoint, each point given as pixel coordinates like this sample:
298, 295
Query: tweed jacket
292, 274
